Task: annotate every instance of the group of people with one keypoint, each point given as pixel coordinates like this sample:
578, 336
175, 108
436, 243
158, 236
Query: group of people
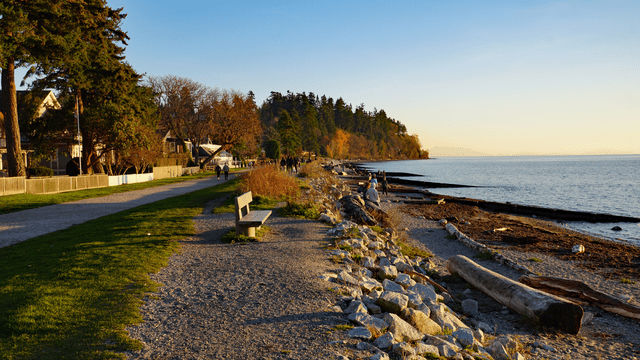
219, 169
370, 190
290, 164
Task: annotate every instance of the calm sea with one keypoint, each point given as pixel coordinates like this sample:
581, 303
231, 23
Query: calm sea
604, 184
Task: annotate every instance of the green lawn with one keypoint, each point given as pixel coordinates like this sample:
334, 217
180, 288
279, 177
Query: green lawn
13, 203
70, 294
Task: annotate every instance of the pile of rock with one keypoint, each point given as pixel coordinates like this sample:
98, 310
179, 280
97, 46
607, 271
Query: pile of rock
397, 312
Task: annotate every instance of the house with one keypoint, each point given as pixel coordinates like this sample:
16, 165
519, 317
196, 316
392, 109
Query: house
223, 157
171, 144
34, 105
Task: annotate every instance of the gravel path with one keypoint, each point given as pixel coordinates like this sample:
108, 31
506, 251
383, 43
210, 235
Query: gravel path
254, 301
20, 226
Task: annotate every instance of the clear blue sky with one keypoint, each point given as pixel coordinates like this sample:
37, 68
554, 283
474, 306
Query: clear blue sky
499, 77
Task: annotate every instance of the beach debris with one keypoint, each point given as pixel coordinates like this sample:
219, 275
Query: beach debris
440, 201
549, 310
579, 291
577, 249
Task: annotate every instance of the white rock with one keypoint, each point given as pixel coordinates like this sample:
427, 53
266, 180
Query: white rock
403, 349
401, 330
384, 261
329, 218
368, 284
389, 285
414, 300
328, 276
577, 249
360, 333
392, 302
464, 336
363, 272
368, 321
404, 267
498, 352
478, 334
375, 294
340, 253
380, 253
388, 272
375, 245
447, 350
385, 341
368, 262
404, 280
422, 348
344, 277
356, 306
518, 356
380, 356
425, 292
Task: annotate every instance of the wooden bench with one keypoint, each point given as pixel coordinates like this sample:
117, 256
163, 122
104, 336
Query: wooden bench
246, 220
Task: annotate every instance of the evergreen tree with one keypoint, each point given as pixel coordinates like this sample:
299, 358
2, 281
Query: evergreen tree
288, 130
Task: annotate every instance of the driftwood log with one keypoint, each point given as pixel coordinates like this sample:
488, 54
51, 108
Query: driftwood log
548, 310
576, 290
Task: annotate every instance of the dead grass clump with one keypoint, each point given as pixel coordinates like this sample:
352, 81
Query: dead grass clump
393, 218
270, 182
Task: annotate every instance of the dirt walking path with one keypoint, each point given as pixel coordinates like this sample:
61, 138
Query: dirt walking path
254, 301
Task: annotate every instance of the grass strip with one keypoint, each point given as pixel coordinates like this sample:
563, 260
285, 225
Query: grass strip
70, 294
19, 202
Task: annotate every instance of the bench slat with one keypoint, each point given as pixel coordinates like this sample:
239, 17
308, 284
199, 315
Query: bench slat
255, 217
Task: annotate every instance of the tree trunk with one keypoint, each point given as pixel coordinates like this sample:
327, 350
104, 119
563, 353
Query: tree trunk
573, 289
11, 127
548, 310
210, 157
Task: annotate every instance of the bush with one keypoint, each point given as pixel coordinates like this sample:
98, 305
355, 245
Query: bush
38, 171
270, 182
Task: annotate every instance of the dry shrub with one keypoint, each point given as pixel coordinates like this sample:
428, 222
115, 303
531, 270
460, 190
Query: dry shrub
393, 218
270, 182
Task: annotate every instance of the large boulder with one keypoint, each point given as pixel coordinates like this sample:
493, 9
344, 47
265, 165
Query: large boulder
353, 206
392, 301
402, 330
420, 321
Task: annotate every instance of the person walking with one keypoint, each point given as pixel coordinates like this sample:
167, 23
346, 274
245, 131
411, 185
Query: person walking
384, 185
225, 168
218, 170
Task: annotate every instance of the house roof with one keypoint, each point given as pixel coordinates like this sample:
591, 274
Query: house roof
208, 149
33, 103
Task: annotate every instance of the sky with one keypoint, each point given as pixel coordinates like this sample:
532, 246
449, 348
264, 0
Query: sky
495, 77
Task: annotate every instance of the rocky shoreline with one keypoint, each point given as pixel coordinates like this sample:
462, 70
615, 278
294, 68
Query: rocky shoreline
377, 255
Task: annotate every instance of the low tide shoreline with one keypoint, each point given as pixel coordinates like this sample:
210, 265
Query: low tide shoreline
525, 210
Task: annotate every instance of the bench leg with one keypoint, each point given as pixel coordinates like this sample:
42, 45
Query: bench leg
246, 231
251, 232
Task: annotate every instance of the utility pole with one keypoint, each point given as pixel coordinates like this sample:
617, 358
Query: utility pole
77, 114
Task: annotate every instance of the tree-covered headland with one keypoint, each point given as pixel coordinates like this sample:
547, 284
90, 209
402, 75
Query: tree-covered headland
306, 123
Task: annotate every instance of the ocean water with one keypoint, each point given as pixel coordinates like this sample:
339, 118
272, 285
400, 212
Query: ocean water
607, 184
